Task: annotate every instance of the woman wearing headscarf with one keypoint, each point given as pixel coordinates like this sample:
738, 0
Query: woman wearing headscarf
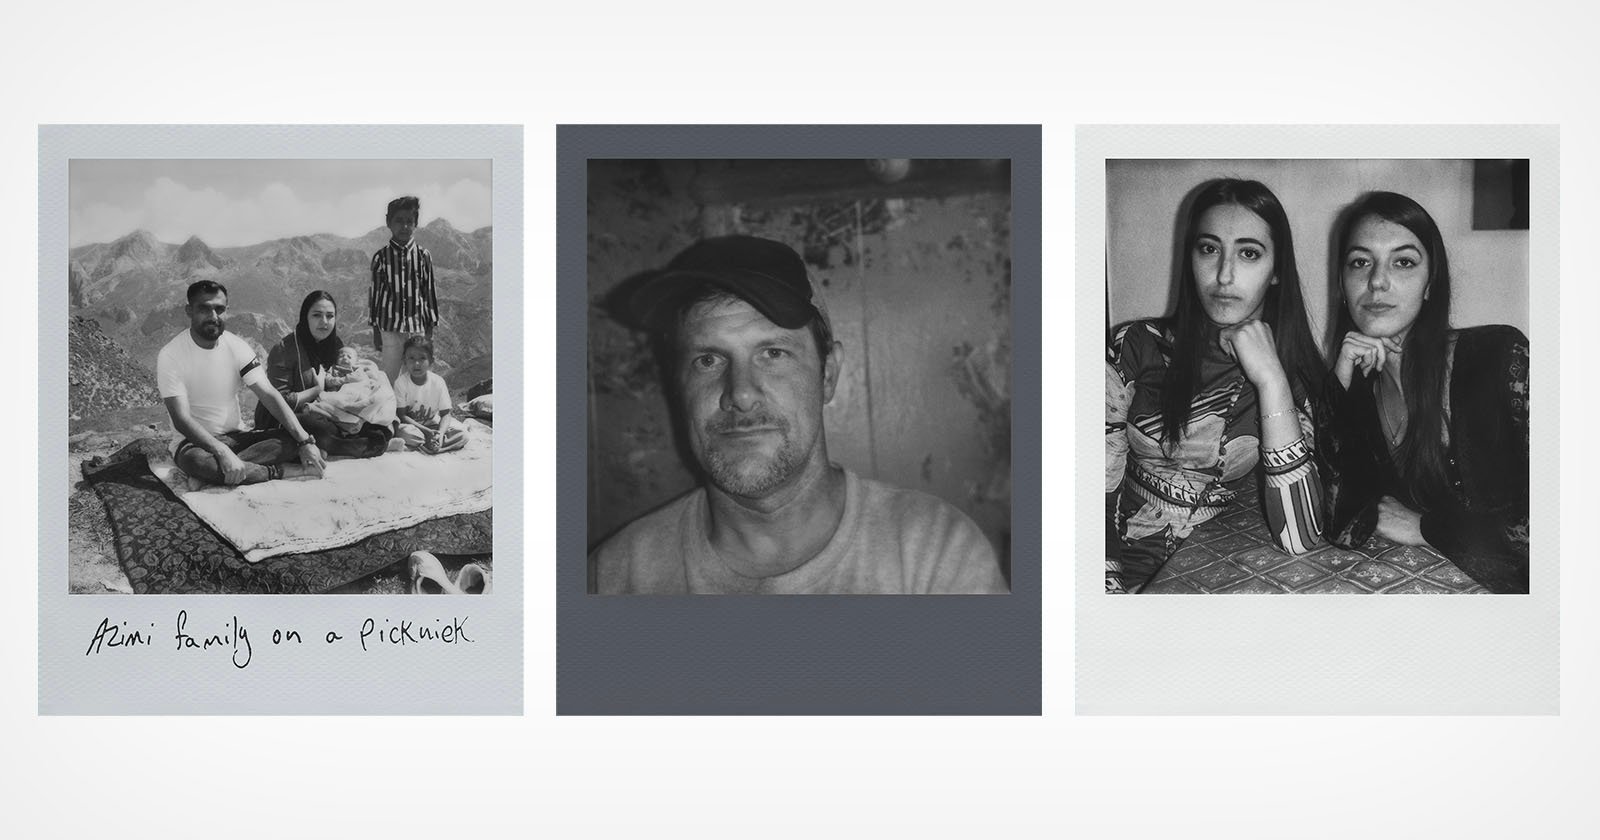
304, 366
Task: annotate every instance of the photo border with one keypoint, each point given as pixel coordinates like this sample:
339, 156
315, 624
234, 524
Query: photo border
816, 654
1319, 654
483, 677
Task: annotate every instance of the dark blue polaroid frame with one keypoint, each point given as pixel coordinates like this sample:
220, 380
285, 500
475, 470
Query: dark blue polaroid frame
920, 655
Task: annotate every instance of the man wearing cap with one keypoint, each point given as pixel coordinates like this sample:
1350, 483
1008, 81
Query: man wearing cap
753, 361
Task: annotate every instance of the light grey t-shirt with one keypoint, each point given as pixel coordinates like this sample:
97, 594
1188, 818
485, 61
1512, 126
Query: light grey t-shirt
889, 541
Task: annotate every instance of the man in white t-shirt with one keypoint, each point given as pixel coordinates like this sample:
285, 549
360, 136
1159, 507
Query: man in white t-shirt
198, 375
754, 361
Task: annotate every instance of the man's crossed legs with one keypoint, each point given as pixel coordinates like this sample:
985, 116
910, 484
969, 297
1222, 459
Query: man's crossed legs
267, 455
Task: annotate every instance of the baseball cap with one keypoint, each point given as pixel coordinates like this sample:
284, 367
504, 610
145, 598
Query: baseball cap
767, 274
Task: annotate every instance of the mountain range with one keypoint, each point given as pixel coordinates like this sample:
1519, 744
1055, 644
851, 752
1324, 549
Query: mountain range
133, 290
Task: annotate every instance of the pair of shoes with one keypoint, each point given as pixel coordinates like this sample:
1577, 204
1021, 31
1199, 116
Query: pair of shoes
428, 577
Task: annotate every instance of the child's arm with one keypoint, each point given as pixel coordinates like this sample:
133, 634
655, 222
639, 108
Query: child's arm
425, 280
420, 416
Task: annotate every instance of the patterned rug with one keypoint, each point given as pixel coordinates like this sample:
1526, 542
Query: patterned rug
164, 548
1234, 553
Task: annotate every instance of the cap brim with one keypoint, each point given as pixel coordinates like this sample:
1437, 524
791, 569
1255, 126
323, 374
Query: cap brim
650, 298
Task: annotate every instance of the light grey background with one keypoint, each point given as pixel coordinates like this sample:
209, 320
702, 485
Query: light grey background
1318, 654
484, 677
812, 654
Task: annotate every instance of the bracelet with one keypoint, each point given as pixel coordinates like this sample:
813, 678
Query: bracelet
1276, 414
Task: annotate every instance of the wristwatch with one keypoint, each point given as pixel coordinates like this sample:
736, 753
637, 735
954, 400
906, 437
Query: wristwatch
309, 440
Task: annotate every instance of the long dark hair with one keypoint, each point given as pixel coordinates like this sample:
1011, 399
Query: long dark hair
314, 353
1284, 310
1420, 458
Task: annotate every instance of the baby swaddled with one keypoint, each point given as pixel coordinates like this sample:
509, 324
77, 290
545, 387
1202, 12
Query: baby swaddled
365, 396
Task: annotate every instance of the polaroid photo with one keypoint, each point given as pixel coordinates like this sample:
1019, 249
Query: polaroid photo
807, 368
270, 372
1317, 351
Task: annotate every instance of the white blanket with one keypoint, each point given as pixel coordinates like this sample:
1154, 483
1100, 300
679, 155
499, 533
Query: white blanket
355, 499
366, 398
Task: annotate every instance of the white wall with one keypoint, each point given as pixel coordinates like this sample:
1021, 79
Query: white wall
1488, 268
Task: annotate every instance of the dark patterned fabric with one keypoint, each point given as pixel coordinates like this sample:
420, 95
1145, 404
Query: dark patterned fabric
1481, 520
164, 548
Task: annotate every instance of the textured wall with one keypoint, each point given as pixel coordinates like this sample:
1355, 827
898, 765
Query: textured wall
919, 293
1488, 268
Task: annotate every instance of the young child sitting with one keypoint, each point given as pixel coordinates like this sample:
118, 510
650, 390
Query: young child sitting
424, 402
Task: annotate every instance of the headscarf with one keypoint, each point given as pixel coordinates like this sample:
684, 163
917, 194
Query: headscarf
312, 353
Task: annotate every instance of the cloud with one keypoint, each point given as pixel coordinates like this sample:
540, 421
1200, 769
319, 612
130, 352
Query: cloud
174, 211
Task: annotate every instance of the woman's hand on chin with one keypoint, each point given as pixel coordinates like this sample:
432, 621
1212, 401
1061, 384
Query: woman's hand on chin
1398, 523
1250, 343
1363, 351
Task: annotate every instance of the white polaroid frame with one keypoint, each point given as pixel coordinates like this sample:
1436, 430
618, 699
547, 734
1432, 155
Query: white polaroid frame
1318, 654
316, 674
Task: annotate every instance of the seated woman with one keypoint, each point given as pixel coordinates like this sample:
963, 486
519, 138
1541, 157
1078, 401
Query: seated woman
304, 366
1215, 393
1424, 434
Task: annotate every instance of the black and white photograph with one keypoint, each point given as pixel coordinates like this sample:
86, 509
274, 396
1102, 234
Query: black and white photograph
1317, 376
799, 376
802, 360
280, 376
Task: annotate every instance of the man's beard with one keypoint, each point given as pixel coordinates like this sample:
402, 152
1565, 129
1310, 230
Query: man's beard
752, 475
212, 331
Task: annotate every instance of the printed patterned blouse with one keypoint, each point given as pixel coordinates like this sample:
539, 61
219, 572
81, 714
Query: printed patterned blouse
1167, 493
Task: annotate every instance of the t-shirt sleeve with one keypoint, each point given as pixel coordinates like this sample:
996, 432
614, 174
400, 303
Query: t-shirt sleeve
437, 394
169, 378
958, 557
246, 362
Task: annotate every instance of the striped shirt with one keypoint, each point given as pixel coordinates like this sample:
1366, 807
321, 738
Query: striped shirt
402, 299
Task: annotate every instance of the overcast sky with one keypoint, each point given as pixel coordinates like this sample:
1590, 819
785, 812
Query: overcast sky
242, 202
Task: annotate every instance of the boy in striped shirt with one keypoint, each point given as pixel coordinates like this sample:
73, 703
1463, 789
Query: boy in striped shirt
402, 300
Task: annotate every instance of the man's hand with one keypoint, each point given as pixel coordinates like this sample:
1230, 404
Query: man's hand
1370, 354
311, 458
231, 466
1398, 523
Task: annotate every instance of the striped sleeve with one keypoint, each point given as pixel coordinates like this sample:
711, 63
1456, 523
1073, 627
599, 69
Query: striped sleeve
430, 316
1293, 493
1119, 395
372, 294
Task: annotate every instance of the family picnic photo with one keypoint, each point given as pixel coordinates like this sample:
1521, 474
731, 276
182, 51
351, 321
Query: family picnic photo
1316, 376
799, 376
280, 376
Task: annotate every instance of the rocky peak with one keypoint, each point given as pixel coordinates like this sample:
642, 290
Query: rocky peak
196, 254
139, 249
